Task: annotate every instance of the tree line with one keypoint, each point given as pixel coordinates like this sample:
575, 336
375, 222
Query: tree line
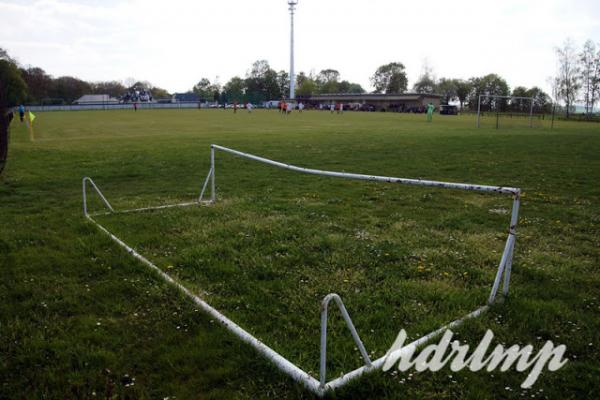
263, 83
577, 79
32, 85
578, 76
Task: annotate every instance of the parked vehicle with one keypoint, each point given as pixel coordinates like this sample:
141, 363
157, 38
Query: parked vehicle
448, 110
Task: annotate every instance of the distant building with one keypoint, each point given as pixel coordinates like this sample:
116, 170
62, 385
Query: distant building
404, 102
96, 99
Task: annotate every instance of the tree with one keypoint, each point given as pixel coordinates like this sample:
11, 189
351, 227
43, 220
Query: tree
568, 74
39, 83
13, 91
204, 89
425, 84
356, 88
272, 85
307, 85
520, 105
328, 81
261, 83
541, 101
349, 87
463, 88
390, 78
488, 85
5, 56
448, 89
112, 88
234, 90
283, 83
588, 65
159, 93
596, 79
216, 91
69, 88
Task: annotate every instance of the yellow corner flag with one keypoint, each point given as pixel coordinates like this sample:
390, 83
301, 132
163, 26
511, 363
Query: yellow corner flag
31, 134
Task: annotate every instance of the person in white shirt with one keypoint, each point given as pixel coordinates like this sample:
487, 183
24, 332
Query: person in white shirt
249, 107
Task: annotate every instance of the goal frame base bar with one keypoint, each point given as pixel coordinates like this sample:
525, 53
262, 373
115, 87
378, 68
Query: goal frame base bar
321, 386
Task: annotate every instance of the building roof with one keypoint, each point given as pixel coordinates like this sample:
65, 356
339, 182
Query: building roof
95, 99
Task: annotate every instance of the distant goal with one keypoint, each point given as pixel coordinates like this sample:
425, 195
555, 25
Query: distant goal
508, 112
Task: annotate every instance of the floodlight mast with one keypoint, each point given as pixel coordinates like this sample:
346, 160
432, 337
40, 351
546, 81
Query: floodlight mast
292, 8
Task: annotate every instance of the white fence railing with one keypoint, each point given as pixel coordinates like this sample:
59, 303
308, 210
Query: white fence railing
120, 106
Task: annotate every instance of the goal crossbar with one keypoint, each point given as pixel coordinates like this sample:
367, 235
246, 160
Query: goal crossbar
319, 387
389, 179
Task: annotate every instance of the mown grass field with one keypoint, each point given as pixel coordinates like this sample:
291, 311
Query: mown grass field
80, 318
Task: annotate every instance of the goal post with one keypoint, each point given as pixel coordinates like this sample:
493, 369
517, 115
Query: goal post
495, 98
321, 386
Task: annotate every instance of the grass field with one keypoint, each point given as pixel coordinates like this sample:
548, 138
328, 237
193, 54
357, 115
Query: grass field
80, 318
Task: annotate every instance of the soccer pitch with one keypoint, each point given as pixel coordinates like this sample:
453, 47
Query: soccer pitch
276, 243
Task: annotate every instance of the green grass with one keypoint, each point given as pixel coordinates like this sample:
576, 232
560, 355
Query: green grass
79, 316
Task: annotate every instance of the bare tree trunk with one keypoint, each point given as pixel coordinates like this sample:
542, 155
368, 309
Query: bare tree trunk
568, 74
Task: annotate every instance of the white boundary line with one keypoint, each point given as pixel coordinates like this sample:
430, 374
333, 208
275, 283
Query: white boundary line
318, 387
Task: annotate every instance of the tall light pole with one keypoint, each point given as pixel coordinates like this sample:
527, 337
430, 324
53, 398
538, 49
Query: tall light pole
292, 4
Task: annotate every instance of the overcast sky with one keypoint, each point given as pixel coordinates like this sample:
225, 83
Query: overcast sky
174, 43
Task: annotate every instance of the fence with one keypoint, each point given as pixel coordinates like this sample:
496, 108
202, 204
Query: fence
119, 106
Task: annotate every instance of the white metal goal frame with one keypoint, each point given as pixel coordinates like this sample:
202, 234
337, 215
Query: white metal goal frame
317, 386
493, 96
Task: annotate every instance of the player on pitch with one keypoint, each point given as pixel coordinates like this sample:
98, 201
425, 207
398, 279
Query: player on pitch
430, 108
